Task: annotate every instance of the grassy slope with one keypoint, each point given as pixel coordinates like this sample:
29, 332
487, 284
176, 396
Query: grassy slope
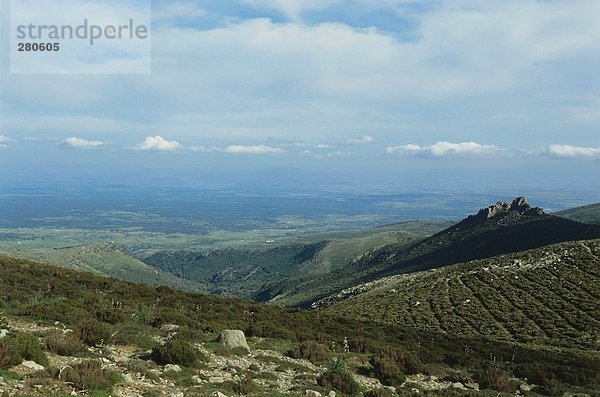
109, 259
547, 296
459, 243
588, 214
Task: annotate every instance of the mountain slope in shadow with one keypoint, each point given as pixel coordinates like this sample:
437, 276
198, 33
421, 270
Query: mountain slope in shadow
498, 229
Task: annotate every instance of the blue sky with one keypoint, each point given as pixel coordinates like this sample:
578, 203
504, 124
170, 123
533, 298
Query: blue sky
434, 89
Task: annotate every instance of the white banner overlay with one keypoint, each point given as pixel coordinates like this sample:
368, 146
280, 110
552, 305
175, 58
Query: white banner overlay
80, 37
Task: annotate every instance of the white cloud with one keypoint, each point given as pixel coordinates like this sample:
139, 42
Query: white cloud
158, 143
81, 143
363, 140
568, 151
257, 149
440, 149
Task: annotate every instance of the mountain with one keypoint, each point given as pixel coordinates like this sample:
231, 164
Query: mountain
64, 331
498, 229
589, 214
547, 295
109, 259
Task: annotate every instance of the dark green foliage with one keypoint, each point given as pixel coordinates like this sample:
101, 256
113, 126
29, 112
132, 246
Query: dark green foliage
177, 352
8, 354
387, 371
312, 351
93, 333
63, 344
18, 347
269, 330
340, 381
89, 375
495, 379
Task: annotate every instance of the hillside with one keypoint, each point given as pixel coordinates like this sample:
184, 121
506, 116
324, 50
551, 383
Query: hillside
108, 259
64, 333
548, 295
241, 271
499, 229
589, 214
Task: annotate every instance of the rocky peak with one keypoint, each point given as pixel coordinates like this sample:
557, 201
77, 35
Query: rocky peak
519, 205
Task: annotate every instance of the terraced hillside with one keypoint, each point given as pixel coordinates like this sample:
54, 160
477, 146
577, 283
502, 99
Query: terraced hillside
547, 296
499, 229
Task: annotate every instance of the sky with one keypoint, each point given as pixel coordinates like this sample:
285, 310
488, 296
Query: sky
380, 93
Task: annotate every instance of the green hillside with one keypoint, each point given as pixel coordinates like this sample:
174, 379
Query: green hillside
242, 271
588, 214
112, 337
498, 229
108, 259
545, 296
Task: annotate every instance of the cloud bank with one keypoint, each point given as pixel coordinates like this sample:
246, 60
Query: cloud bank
568, 151
80, 143
440, 149
257, 149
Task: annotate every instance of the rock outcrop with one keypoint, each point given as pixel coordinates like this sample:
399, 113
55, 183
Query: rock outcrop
519, 206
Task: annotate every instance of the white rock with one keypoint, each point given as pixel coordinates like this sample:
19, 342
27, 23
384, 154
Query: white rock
233, 338
524, 388
331, 394
128, 378
169, 327
312, 393
178, 394
32, 365
218, 394
172, 367
216, 379
3, 333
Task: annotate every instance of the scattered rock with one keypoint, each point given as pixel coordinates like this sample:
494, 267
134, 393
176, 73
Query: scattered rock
216, 379
331, 394
218, 394
127, 378
3, 333
172, 367
178, 394
524, 388
32, 365
233, 339
458, 385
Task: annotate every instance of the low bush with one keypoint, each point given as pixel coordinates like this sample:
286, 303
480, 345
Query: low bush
177, 352
245, 386
494, 379
312, 351
342, 382
93, 332
63, 344
18, 347
89, 375
379, 393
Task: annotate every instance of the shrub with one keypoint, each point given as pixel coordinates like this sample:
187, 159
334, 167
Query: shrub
93, 333
89, 375
387, 371
63, 344
8, 355
495, 379
177, 352
27, 347
312, 351
245, 386
339, 381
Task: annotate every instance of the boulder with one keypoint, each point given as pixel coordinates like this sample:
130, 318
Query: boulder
172, 367
233, 339
32, 365
312, 393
